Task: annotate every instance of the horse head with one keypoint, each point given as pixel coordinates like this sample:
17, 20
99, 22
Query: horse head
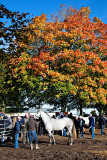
38, 114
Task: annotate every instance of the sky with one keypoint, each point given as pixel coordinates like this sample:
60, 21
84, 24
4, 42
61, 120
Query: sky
36, 7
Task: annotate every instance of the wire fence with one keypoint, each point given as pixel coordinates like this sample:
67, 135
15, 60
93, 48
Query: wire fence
6, 129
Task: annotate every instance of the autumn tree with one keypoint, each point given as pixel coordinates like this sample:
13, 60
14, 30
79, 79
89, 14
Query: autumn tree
67, 53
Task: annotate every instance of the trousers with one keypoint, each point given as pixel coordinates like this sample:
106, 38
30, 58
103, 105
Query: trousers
81, 131
25, 137
16, 140
102, 129
93, 133
34, 135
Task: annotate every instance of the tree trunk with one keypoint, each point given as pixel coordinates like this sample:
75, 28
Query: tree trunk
3, 107
63, 108
80, 107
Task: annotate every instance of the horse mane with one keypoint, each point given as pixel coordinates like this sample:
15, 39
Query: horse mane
47, 114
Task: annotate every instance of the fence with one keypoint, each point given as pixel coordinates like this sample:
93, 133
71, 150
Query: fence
6, 129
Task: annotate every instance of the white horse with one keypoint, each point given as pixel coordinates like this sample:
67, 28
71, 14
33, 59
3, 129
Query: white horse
52, 124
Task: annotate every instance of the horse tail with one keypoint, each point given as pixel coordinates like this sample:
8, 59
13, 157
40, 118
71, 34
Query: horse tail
74, 130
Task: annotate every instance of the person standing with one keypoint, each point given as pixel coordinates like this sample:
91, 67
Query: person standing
102, 123
91, 125
41, 127
25, 138
31, 127
17, 130
76, 121
81, 125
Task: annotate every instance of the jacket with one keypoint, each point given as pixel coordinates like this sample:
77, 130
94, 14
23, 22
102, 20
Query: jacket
31, 125
92, 124
24, 124
17, 127
102, 120
81, 122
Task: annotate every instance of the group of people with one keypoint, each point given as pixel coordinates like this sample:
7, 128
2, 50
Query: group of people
79, 124
28, 126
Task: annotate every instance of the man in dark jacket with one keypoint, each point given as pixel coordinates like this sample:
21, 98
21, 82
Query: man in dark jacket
91, 125
25, 139
76, 122
17, 130
102, 123
31, 127
81, 125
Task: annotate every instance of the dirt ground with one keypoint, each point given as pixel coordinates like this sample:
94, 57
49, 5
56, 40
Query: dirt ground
82, 149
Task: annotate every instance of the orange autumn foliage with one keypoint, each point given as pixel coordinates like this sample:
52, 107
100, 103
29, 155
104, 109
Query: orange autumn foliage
68, 50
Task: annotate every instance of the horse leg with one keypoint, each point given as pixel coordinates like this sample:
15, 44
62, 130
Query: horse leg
50, 135
70, 138
53, 137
